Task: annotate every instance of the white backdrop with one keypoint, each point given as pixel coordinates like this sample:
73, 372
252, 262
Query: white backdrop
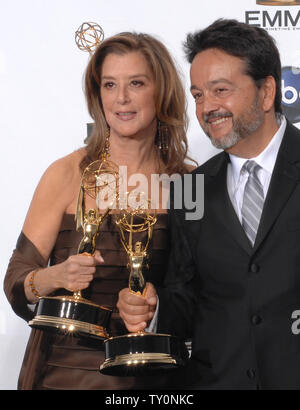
43, 113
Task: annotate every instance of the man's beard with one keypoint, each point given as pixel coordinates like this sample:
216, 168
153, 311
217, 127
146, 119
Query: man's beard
242, 126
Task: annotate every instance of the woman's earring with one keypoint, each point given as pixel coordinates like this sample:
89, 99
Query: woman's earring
104, 153
163, 139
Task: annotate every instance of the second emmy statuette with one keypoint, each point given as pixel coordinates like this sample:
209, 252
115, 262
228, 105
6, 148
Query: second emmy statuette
74, 314
138, 353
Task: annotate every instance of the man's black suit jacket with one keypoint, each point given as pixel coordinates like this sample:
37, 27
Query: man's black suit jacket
236, 302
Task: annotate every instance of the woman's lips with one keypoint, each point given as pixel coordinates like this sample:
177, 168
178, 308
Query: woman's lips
126, 115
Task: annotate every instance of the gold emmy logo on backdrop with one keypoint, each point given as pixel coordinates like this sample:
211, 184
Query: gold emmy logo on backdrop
139, 353
278, 2
89, 36
74, 314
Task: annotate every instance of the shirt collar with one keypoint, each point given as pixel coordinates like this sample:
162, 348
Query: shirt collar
266, 159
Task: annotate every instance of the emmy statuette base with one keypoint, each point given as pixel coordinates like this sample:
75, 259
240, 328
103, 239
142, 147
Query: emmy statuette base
67, 314
142, 353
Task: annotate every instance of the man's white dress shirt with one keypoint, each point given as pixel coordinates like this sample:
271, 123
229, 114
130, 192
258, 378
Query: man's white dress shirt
237, 177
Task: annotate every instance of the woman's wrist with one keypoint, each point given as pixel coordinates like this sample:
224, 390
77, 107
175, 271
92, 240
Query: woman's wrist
32, 286
41, 282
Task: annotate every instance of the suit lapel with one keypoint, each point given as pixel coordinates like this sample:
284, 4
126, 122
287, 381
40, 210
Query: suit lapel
284, 179
218, 200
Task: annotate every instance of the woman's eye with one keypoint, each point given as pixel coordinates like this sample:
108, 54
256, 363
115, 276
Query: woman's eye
108, 84
137, 83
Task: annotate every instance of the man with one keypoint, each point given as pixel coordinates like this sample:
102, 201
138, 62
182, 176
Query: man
233, 280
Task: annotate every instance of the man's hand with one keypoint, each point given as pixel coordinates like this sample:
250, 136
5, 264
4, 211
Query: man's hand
137, 310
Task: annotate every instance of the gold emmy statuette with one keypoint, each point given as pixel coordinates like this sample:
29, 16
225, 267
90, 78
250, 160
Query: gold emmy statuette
74, 314
278, 2
142, 352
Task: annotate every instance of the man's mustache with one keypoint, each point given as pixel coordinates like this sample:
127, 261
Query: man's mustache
215, 115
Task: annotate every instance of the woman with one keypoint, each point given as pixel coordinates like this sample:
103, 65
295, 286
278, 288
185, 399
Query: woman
137, 102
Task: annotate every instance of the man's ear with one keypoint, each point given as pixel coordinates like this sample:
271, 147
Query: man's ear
268, 92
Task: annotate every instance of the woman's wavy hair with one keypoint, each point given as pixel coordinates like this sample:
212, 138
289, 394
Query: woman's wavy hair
170, 99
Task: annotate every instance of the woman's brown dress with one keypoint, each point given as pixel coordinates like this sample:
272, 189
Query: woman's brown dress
55, 361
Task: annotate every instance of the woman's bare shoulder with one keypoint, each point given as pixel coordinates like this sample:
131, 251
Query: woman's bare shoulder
57, 188
67, 167
61, 180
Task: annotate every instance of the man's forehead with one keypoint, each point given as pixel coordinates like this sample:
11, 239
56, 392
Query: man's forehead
213, 66
213, 83
216, 57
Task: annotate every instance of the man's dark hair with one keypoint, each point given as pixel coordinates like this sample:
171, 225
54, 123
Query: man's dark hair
253, 44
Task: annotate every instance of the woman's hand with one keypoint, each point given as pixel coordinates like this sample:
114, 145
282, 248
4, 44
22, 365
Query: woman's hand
77, 272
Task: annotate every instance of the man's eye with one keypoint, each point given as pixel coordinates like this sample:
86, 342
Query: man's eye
198, 96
